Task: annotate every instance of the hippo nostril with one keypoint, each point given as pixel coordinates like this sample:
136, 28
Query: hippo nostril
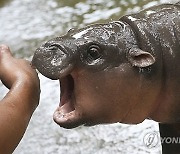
53, 48
56, 48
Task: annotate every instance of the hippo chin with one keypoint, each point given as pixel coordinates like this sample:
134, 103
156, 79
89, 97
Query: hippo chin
123, 71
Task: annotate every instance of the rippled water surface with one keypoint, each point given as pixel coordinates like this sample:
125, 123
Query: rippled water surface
24, 25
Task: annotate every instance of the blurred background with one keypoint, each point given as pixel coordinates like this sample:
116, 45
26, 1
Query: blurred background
25, 25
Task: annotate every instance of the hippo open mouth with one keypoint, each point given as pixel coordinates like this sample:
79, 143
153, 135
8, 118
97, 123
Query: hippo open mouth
67, 95
66, 115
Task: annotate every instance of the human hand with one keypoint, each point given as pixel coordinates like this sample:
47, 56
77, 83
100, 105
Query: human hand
19, 77
20, 102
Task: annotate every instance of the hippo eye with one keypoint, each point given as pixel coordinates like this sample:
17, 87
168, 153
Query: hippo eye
94, 52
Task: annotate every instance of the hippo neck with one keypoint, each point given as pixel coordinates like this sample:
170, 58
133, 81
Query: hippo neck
148, 29
163, 43
160, 41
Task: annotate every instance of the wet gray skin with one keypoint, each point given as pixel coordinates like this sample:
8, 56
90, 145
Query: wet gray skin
123, 71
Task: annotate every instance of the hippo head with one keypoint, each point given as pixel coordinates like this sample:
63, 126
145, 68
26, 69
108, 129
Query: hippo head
98, 68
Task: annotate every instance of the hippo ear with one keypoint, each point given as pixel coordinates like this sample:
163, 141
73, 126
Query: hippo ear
140, 58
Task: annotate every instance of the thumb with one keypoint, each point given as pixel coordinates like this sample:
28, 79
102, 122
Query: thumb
6, 66
5, 51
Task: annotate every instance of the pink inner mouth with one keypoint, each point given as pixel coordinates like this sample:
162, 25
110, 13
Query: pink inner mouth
67, 95
66, 115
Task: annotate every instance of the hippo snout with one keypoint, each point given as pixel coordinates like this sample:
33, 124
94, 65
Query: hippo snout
53, 59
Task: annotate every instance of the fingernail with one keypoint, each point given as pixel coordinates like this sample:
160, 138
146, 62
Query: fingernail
4, 47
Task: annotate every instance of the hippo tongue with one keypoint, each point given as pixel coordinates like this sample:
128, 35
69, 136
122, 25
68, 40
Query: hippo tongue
66, 109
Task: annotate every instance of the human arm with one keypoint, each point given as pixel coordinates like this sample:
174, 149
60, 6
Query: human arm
20, 102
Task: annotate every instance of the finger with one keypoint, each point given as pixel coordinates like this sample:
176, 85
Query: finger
5, 51
5, 57
6, 66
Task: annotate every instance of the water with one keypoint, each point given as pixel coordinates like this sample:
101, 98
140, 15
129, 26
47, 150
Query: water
25, 24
